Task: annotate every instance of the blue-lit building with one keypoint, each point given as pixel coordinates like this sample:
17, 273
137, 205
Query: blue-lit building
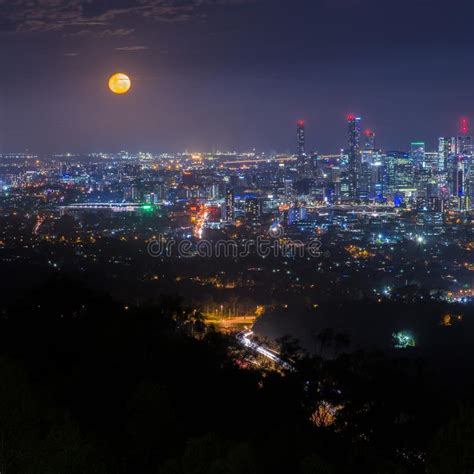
354, 155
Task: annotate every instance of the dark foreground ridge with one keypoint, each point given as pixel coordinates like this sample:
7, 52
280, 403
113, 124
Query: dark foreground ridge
89, 385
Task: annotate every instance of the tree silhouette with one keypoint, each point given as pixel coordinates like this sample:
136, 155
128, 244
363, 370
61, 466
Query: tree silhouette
341, 341
452, 450
326, 338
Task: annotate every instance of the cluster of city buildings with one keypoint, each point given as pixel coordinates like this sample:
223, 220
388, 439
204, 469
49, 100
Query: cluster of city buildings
439, 179
303, 190
395, 218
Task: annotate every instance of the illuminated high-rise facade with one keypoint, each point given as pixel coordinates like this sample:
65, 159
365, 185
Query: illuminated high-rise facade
448, 163
300, 139
366, 166
458, 176
253, 209
417, 153
399, 173
446, 148
229, 206
464, 140
463, 144
470, 183
456, 154
354, 155
369, 140
377, 190
422, 172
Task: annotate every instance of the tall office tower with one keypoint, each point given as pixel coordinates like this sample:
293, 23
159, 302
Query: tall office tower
161, 192
376, 189
432, 161
421, 170
399, 173
343, 185
452, 150
354, 155
470, 182
417, 153
369, 137
468, 148
463, 144
253, 207
135, 193
229, 206
300, 140
312, 164
432, 189
447, 145
446, 148
458, 180
367, 160
214, 191
365, 177
463, 140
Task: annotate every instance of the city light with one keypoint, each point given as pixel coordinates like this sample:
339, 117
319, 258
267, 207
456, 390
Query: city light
403, 340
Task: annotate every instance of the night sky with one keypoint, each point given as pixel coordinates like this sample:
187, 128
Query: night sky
233, 74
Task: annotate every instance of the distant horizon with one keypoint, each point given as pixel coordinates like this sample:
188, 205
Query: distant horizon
430, 145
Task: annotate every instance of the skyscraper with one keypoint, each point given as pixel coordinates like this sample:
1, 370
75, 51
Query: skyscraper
369, 139
354, 155
300, 139
458, 170
446, 148
376, 188
422, 172
253, 207
229, 212
399, 173
463, 141
417, 153
365, 172
470, 183
288, 183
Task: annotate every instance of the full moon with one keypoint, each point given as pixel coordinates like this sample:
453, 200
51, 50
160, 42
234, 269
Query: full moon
120, 83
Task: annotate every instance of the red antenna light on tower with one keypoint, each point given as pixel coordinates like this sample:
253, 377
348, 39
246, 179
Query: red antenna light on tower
350, 117
300, 123
368, 132
464, 125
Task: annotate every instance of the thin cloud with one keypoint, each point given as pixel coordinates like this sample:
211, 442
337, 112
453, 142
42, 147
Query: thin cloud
101, 33
132, 49
96, 17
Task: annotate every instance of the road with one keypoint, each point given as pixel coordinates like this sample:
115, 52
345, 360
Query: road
245, 339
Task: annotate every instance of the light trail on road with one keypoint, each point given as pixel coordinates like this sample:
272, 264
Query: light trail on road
244, 338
